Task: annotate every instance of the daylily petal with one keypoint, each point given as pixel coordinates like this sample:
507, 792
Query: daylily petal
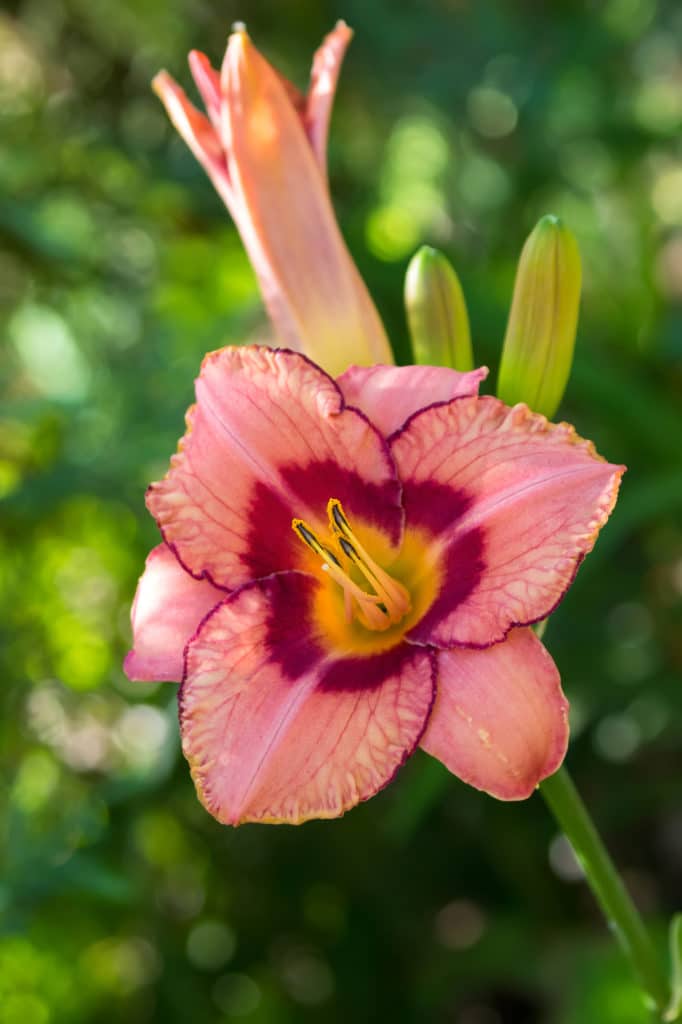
297, 98
269, 440
389, 395
282, 208
263, 149
323, 78
197, 131
207, 81
500, 721
315, 107
513, 504
276, 731
169, 605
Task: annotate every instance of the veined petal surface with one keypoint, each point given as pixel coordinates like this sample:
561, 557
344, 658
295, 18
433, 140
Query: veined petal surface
389, 395
276, 731
169, 605
268, 440
500, 720
513, 503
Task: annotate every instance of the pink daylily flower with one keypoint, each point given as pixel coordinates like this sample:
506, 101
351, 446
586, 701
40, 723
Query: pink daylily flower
349, 570
263, 146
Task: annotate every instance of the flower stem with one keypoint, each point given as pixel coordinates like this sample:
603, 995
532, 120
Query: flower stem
623, 917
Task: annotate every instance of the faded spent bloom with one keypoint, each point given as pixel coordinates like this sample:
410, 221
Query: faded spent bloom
349, 569
263, 145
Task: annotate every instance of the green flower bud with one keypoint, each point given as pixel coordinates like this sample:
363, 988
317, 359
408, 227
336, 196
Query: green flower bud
436, 312
538, 346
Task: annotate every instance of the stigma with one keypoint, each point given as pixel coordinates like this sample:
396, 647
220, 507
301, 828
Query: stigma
347, 563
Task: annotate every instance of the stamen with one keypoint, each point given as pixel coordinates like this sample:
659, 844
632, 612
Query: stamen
309, 538
390, 602
395, 597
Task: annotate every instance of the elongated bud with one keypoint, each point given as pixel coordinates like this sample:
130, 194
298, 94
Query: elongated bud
538, 346
436, 312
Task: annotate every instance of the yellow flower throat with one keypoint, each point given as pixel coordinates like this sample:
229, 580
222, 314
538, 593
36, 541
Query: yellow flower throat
389, 601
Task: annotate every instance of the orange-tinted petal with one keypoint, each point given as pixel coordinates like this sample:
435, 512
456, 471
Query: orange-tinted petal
323, 78
314, 108
500, 721
269, 440
207, 81
282, 208
197, 131
389, 395
169, 605
276, 731
513, 503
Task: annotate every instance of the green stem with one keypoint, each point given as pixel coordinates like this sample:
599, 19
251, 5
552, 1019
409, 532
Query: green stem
570, 812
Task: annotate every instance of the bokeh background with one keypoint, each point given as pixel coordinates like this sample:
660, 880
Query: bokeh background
458, 123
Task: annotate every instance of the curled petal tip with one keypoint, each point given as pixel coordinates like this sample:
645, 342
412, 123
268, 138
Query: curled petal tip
161, 82
197, 61
207, 82
239, 28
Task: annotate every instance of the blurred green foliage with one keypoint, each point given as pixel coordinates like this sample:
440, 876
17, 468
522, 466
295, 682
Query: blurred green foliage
458, 124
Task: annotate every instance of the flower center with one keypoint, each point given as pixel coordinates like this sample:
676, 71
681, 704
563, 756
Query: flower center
345, 560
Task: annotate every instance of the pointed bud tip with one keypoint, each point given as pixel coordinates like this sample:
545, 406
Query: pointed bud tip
549, 227
238, 40
427, 256
240, 51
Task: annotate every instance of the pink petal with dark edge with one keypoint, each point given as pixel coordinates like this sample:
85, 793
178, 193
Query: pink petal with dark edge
513, 502
268, 440
389, 395
274, 730
500, 720
169, 605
